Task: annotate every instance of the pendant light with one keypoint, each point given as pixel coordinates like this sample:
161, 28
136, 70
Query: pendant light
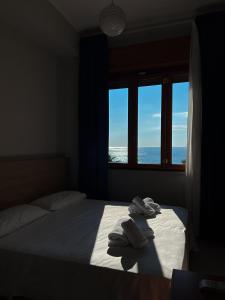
112, 20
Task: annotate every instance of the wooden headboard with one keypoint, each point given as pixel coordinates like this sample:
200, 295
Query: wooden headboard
23, 180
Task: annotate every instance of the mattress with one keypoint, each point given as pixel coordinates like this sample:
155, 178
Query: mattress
79, 234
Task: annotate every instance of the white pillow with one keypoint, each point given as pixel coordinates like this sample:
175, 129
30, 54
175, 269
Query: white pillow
15, 217
59, 200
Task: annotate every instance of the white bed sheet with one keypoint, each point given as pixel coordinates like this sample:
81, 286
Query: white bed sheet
79, 233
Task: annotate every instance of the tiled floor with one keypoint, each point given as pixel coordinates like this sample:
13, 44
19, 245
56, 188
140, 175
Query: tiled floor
210, 259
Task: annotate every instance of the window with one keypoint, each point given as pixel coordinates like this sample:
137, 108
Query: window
179, 122
148, 123
118, 125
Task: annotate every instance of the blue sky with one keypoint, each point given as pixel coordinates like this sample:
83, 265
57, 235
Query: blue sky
149, 116
118, 117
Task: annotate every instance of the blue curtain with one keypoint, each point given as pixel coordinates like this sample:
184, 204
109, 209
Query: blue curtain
211, 29
93, 117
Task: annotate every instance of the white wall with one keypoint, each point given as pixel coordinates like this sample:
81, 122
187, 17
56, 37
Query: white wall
164, 187
28, 97
38, 88
68, 99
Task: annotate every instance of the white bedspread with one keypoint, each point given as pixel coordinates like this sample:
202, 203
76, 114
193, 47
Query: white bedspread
79, 233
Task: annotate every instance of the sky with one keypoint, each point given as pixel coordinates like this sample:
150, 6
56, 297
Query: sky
149, 116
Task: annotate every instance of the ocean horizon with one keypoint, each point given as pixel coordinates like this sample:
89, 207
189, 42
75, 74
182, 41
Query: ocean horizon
147, 155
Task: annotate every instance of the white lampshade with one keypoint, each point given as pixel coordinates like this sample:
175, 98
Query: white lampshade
112, 20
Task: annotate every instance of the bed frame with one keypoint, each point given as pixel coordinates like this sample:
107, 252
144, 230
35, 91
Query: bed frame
24, 179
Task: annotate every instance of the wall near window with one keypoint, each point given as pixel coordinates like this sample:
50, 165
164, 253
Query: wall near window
164, 187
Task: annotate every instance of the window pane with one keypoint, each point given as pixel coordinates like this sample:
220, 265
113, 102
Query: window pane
118, 125
149, 124
179, 122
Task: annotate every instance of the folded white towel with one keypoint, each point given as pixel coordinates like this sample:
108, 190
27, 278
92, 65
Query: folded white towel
117, 238
134, 234
147, 211
142, 223
148, 232
149, 202
118, 243
133, 209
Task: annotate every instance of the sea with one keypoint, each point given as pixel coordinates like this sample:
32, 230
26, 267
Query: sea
147, 155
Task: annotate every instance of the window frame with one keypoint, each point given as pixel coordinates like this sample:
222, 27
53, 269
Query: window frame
132, 81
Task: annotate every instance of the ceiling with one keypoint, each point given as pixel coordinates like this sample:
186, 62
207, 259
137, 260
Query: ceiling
84, 14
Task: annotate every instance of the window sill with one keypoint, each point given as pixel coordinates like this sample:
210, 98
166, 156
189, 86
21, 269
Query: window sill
121, 166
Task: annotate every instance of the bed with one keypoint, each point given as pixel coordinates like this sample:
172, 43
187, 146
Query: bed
64, 255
